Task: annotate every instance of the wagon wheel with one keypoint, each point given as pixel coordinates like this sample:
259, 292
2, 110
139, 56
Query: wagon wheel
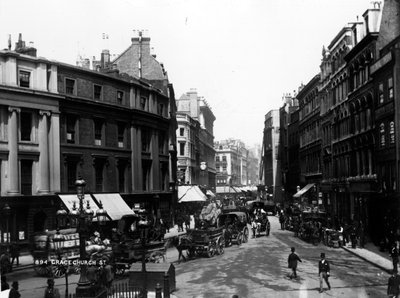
157, 257
210, 250
239, 238
245, 235
41, 267
221, 246
58, 270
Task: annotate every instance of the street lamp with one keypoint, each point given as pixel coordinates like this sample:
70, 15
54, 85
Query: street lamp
143, 226
83, 217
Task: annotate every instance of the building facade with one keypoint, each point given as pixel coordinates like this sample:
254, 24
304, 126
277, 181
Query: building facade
60, 122
270, 165
196, 154
231, 163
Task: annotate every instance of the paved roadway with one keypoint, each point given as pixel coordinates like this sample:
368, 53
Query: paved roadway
255, 269
259, 269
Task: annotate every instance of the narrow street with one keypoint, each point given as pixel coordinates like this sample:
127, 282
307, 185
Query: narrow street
254, 269
259, 269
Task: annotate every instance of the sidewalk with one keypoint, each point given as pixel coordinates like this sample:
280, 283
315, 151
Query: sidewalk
373, 255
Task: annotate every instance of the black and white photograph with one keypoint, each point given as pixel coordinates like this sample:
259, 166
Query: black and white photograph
199, 148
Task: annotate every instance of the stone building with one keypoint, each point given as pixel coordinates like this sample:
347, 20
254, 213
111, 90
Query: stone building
195, 133
270, 164
60, 121
231, 162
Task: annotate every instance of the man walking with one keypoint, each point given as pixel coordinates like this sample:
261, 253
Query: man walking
393, 290
394, 253
324, 272
292, 263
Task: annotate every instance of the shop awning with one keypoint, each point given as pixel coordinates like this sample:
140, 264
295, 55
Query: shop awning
69, 200
303, 190
190, 193
114, 204
225, 189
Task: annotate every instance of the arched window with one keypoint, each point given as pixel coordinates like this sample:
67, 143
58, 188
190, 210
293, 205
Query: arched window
382, 134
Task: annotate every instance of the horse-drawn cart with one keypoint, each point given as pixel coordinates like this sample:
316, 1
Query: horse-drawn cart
49, 262
235, 227
134, 241
208, 242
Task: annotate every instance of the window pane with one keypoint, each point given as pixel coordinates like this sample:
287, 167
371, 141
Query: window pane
97, 92
69, 86
26, 126
24, 78
26, 177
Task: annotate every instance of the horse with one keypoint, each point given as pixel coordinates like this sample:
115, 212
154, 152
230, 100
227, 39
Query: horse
181, 243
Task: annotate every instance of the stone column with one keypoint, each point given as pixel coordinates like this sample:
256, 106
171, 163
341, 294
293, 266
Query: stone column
44, 169
358, 163
13, 165
369, 162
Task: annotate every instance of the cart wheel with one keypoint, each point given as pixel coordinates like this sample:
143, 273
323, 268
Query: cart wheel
58, 271
239, 239
245, 235
41, 268
268, 230
210, 250
157, 257
221, 246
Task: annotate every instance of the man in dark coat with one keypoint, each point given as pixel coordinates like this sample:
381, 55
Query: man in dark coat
14, 293
324, 273
292, 263
393, 290
394, 253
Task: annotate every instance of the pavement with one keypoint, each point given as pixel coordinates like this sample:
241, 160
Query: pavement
371, 254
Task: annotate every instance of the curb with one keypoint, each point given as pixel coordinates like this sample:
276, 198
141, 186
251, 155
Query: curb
369, 261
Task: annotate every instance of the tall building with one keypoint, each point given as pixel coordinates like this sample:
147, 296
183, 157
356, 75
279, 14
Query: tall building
289, 146
270, 166
60, 121
231, 163
30, 140
384, 206
195, 133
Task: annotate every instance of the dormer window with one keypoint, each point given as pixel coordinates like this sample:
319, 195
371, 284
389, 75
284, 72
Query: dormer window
24, 78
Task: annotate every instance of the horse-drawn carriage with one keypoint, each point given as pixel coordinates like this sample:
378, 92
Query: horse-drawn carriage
49, 262
311, 226
235, 227
131, 240
262, 224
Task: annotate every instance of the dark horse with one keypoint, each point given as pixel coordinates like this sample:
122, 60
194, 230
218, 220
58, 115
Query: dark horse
181, 243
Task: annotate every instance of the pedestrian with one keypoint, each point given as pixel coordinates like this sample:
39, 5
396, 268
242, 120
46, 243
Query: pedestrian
292, 262
14, 252
282, 220
51, 291
254, 227
4, 283
394, 254
393, 290
14, 291
324, 273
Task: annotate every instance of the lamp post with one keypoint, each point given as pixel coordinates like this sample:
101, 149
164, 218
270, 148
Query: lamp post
143, 226
83, 217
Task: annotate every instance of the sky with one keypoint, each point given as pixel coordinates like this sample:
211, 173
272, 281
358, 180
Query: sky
240, 55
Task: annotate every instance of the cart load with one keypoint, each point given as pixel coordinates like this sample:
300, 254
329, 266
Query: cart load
210, 214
